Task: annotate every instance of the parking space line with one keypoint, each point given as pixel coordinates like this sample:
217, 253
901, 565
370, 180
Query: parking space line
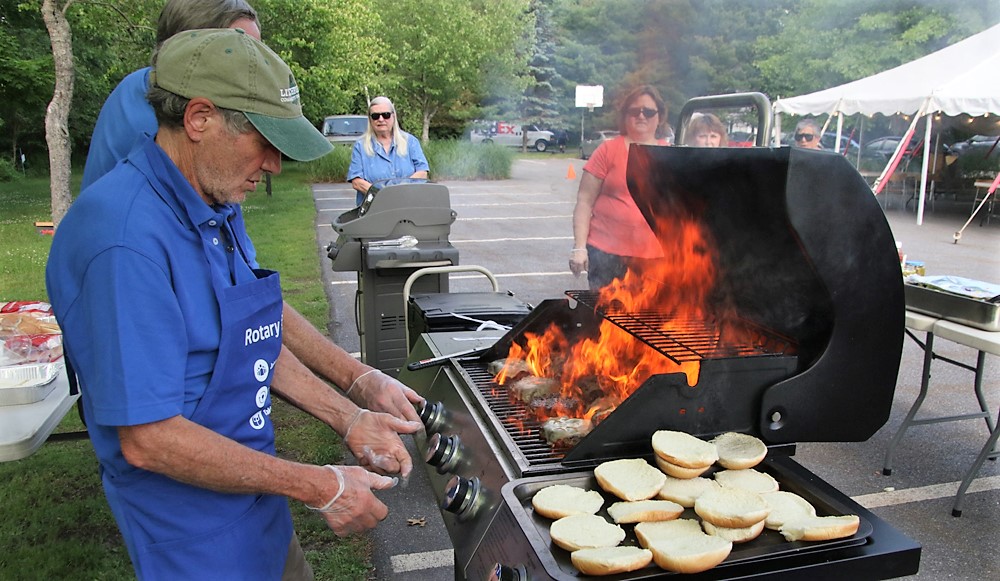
931, 492
419, 561
483, 218
528, 239
469, 276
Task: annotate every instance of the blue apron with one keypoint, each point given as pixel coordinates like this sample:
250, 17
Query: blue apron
178, 531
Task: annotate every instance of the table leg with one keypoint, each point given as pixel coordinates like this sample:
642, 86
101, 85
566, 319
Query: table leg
925, 378
986, 452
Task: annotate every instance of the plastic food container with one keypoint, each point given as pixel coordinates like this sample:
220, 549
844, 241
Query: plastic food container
28, 383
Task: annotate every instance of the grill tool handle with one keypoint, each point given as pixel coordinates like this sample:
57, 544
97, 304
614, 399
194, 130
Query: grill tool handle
439, 360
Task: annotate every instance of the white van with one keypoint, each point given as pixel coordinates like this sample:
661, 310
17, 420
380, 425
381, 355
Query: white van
344, 129
511, 135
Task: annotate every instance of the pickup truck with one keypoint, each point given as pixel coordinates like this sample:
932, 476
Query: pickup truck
511, 135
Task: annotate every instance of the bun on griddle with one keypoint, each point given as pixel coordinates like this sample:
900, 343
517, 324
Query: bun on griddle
786, 507
739, 451
821, 528
747, 479
685, 450
585, 531
610, 560
650, 532
644, 511
678, 471
737, 535
629, 478
690, 553
731, 507
560, 500
684, 491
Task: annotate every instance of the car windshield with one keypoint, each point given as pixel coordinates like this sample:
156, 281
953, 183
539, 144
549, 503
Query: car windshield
345, 126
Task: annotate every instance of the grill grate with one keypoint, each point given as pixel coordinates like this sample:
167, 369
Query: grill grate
684, 340
514, 418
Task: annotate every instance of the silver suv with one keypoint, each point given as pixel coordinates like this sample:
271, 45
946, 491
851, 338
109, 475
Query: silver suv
344, 129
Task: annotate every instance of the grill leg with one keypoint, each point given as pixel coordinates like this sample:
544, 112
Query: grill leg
925, 379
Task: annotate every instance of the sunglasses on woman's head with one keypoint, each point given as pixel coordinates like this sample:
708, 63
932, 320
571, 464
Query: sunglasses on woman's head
642, 111
805, 136
385, 115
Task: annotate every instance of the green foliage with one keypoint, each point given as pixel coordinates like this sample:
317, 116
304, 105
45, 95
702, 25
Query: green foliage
459, 160
8, 172
330, 168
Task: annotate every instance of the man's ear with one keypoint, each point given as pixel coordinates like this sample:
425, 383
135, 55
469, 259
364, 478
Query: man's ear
198, 117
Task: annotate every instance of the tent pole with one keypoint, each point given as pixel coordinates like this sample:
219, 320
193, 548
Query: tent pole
840, 131
923, 169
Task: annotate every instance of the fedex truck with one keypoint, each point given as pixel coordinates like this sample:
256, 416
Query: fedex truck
511, 135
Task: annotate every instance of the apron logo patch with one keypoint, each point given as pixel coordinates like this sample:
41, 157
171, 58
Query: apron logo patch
257, 421
261, 370
262, 396
262, 333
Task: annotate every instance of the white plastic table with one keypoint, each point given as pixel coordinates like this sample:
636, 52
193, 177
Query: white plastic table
24, 428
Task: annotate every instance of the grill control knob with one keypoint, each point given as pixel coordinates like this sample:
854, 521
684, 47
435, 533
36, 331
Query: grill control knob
460, 496
504, 573
432, 415
442, 452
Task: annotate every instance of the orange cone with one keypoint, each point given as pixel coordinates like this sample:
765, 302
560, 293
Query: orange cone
571, 173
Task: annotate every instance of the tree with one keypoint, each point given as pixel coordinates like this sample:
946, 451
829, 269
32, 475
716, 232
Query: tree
26, 80
540, 104
57, 113
449, 55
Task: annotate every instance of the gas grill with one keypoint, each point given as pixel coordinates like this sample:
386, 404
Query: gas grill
798, 339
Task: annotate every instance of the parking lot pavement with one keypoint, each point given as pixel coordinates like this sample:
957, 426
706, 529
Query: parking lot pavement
520, 229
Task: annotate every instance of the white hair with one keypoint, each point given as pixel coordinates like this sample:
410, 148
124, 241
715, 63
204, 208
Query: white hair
368, 139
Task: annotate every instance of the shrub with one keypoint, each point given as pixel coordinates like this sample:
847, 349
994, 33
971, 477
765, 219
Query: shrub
460, 160
330, 168
8, 172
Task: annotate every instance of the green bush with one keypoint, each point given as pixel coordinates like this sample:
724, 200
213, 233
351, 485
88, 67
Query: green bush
460, 160
8, 172
330, 168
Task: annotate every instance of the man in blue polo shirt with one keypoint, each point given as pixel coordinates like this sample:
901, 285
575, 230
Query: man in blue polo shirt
176, 335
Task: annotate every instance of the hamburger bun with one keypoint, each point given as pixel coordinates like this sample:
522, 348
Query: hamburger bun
678, 471
690, 553
786, 507
747, 479
610, 560
739, 451
644, 511
685, 450
560, 500
684, 491
740, 535
585, 531
821, 528
731, 507
629, 479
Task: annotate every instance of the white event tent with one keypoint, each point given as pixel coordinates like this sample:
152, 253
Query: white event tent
961, 79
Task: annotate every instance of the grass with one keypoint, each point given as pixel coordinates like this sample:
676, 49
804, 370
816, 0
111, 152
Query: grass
56, 523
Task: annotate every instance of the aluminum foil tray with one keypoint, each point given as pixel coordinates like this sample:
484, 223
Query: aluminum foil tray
28, 383
973, 312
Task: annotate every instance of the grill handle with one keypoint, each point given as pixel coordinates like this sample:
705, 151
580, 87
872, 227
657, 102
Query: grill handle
443, 358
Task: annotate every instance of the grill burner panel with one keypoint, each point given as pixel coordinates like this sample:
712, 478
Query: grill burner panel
686, 340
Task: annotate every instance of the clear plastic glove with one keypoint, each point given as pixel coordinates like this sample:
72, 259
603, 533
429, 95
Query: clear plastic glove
373, 438
378, 392
354, 508
578, 261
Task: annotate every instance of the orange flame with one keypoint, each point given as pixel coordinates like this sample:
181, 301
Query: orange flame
600, 372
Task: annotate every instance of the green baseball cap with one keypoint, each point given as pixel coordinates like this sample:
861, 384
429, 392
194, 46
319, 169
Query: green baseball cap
236, 71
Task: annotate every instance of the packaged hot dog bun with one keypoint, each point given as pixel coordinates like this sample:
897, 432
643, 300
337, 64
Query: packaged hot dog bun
685, 450
740, 535
585, 531
731, 507
786, 507
748, 479
610, 560
629, 478
690, 553
650, 532
644, 511
739, 451
684, 491
560, 500
678, 471
821, 528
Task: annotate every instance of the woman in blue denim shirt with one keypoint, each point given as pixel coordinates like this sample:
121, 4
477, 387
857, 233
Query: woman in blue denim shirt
385, 151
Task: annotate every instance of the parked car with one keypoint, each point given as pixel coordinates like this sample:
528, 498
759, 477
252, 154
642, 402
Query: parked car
512, 135
344, 129
884, 147
977, 145
593, 139
742, 139
830, 138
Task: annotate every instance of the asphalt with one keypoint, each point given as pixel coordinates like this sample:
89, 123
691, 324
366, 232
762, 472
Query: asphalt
520, 229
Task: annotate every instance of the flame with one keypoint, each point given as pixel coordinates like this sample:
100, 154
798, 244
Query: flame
597, 373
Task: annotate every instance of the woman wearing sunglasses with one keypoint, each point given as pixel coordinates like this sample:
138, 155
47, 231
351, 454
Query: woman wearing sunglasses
384, 152
609, 233
807, 134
